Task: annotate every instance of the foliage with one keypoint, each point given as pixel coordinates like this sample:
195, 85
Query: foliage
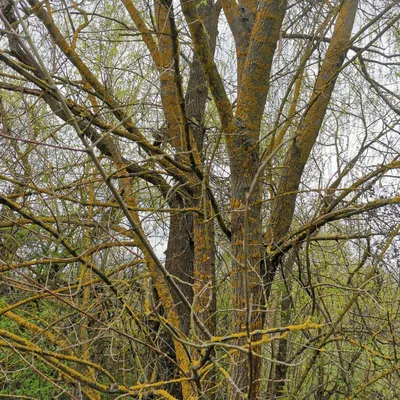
199, 199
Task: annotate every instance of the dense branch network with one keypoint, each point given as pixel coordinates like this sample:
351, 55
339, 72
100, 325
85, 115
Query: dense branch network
199, 199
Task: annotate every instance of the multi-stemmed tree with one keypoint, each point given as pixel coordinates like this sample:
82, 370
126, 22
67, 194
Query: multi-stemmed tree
199, 199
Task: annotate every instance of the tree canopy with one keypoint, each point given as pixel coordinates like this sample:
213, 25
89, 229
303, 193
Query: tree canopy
199, 199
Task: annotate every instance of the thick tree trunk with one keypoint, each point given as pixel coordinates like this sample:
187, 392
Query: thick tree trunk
310, 124
179, 261
247, 243
297, 156
194, 266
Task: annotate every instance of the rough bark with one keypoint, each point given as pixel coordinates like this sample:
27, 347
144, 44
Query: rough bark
311, 122
244, 163
297, 156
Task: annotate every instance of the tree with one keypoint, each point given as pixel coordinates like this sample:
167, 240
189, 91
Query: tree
198, 198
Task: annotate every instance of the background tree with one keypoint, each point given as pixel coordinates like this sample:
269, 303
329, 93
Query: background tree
199, 199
